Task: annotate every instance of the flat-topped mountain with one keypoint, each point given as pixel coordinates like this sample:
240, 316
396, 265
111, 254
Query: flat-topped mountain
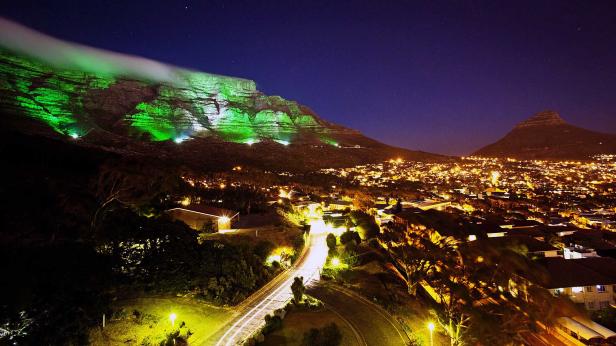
542, 119
137, 106
546, 135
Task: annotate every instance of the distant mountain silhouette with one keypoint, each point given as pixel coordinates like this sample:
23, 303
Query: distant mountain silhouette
546, 135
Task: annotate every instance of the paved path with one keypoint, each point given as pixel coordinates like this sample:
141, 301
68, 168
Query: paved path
374, 325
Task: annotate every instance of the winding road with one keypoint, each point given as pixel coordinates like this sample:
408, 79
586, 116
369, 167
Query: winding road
373, 324
370, 323
249, 316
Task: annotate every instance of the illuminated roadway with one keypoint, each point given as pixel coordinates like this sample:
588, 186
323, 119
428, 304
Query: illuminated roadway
250, 315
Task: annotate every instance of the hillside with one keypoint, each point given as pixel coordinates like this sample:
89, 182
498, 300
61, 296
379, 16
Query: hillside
136, 106
546, 135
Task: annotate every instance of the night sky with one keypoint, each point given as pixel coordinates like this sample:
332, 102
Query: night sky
445, 77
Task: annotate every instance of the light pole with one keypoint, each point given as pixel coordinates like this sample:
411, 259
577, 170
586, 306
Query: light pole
172, 318
431, 329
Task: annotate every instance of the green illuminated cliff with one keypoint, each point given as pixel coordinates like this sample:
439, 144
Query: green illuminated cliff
73, 103
139, 107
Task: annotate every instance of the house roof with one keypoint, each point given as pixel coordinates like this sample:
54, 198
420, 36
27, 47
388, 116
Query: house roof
603, 265
532, 244
449, 224
208, 210
340, 202
580, 272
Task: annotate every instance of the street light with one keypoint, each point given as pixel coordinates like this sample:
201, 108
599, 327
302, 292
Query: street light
172, 318
335, 261
431, 328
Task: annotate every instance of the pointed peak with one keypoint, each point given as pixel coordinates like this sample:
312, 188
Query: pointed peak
544, 118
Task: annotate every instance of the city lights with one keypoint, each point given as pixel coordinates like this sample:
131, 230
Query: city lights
180, 139
284, 194
494, 176
140, 191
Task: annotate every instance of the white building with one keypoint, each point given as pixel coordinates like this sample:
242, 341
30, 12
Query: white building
588, 281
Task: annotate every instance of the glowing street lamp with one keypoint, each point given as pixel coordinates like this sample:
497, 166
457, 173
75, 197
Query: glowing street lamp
431, 329
172, 317
284, 194
335, 261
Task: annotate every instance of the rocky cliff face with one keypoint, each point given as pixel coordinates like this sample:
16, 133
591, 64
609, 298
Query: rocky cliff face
545, 118
75, 103
546, 135
135, 106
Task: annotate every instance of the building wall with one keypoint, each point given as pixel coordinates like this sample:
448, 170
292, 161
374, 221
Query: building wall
193, 220
593, 299
223, 224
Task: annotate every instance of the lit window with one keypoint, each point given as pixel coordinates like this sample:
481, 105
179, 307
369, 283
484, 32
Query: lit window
577, 289
472, 237
600, 288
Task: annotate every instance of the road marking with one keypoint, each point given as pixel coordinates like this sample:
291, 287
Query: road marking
360, 338
377, 308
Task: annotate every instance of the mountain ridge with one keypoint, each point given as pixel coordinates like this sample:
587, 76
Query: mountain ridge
94, 100
546, 135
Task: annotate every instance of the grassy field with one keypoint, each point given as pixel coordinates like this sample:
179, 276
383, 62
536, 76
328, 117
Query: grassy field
296, 323
151, 322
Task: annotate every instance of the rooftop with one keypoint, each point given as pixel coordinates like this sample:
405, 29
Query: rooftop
580, 272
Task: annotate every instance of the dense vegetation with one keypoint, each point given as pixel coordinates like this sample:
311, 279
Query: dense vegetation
82, 227
467, 312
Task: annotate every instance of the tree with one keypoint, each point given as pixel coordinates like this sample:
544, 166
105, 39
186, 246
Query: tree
209, 227
331, 242
398, 207
350, 236
361, 201
298, 289
364, 223
263, 249
414, 253
272, 324
476, 303
472, 284
129, 185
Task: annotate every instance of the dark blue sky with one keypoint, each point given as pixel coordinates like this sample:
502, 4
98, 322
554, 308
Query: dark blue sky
446, 77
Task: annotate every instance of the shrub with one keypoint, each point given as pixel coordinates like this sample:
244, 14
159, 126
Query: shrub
327, 336
272, 324
331, 242
350, 236
298, 289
